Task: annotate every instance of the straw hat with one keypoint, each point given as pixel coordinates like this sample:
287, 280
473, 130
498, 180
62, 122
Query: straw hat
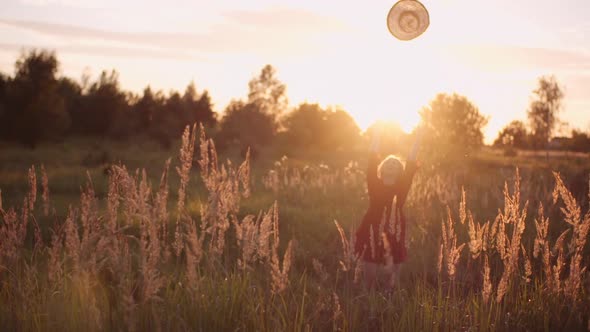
407, 19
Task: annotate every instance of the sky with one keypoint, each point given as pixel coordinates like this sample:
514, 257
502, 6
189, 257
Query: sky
327, 52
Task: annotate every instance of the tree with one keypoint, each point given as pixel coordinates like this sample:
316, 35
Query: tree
309, 126
544, 110
71, 92
35, 110
514, 135
267, 93
244, 125
198, 108
580, 141
4, 124
341, 131
453, 126
147, 106
102, 105
304, 125
254, 123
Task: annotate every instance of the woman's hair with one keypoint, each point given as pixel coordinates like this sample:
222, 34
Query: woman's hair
390, 170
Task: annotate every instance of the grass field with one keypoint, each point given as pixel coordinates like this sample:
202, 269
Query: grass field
495, 242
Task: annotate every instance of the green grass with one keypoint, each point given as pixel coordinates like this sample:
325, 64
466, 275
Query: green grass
227, 299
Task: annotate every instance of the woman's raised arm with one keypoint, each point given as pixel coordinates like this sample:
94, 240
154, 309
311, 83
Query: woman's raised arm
413, 156
410, 170
373, 162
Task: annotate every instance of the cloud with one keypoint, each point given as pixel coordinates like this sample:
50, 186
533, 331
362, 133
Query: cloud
131, 52
516, 57
274, 31
285, 19
65, 3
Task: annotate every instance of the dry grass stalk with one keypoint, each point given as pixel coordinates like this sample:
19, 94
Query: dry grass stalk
225, 186
86, 250
572, 210
244, 174
512, 202
83, 287
12, 235
492, 235
560, 263
150, 257
194, 252
541, 246
109, 243
280, 275
25, 213
187, 150
275, 222
160, 210
528, 268
126, 287
510, 253
113, 197
487, 282
337, 308
350, 260
463, 207
89, 217
451, 251
502, 239
253, 236
477, 237
581, 228
32, 188
266, 230
135, 193
204, 161
283, 176
55, 265
347, 249
246, 236
38, 243
72, 239
45, 193
439, 263
91, 228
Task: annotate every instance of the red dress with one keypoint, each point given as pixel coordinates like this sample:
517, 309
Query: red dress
383, 229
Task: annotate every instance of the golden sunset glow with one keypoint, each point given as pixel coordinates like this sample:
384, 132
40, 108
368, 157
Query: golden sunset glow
329, 52
288, 165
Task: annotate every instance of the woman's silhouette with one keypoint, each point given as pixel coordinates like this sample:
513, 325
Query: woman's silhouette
380, 239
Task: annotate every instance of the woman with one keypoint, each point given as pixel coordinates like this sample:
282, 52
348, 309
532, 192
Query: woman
380, 240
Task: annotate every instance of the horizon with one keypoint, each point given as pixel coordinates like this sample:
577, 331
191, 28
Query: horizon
327, 55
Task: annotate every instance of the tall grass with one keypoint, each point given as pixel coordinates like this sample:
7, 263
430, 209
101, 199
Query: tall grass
135, 258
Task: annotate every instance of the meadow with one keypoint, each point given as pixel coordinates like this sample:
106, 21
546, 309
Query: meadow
109, 236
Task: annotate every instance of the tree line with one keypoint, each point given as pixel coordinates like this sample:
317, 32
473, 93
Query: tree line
37, 105
539, 131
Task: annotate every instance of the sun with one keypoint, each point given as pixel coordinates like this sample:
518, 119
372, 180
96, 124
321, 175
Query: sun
375, 77
399, 79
